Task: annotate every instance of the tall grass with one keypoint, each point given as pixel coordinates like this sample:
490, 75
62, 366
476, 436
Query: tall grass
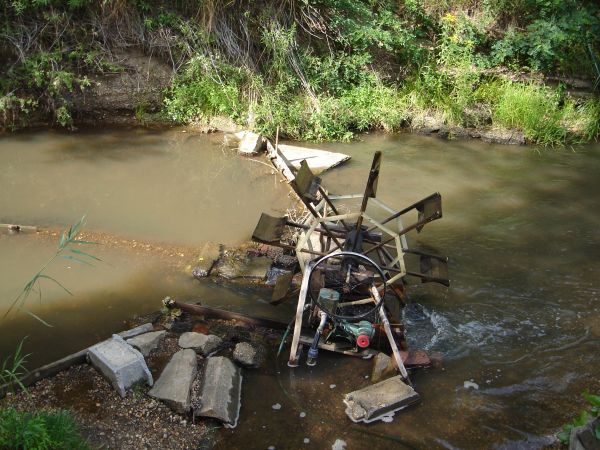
13, 368
545, 115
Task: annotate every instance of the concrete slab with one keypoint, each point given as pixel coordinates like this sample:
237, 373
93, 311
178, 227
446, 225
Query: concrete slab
379, 400
318, 160
199, 342
220, 392
174, 385
120, 363
147, 342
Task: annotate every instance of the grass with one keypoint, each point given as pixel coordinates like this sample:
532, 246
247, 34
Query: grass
39, 430
13, 368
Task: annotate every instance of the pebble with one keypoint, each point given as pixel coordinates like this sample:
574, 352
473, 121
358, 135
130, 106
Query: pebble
306, 440
332, 386
470, 384
276, 406
302, 414
339, 445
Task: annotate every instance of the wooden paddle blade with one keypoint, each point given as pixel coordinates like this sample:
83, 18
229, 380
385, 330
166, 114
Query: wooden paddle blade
306, 184
434, 269
372, 182
269, 229
430, 209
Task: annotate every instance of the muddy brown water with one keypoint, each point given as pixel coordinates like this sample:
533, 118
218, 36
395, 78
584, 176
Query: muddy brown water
519, 328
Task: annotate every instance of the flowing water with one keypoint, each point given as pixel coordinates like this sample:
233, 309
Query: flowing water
519, 328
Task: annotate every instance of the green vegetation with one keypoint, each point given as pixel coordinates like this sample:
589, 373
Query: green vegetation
13, 368
583, 418
318, 69
39, 431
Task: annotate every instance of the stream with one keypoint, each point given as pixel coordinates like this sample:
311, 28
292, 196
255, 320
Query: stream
518, 329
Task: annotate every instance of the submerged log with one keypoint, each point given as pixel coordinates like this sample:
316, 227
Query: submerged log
215, 313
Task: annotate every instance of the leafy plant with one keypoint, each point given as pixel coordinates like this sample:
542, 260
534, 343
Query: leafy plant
583, 418
68, 240
40, 431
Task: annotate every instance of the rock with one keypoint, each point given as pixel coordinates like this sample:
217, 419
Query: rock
247, 355
207, 259
220, 393
120, 363
250, 144
500, 136
174, 385
383, 367
379, 400
147, 342
255, 267
583, 437
145, 328
202, 343
318, 160
429, 125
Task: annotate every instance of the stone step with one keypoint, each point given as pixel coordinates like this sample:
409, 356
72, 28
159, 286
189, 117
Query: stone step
174, 385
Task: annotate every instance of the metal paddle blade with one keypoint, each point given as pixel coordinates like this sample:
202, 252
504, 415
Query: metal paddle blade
434, 269
430, 209
306, 184
269, 229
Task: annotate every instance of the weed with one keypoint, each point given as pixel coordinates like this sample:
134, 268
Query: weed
39, 430
13, 368
583, 418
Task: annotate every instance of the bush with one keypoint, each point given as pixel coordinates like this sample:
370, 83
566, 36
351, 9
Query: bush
39, 431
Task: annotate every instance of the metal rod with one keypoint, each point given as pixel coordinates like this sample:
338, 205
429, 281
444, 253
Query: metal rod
390, 336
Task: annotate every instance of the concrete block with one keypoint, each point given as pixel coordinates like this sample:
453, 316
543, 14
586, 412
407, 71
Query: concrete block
247, 355
145, 328
147, 342
118, 361
220, 392
379, 400
250, 144
201, 343
174, 385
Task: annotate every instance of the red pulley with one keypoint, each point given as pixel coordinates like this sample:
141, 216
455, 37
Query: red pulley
363, 341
